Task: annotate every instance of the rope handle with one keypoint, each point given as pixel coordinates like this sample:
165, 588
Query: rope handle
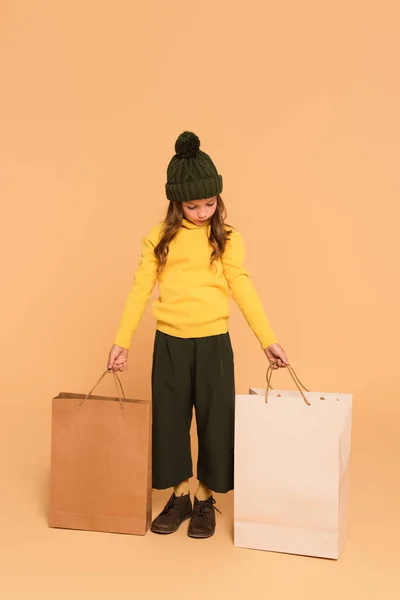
295, 378
117, 381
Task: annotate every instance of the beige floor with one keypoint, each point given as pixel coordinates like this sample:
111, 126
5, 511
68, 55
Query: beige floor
38, 561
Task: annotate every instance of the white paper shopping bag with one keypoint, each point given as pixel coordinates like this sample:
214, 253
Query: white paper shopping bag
292, 453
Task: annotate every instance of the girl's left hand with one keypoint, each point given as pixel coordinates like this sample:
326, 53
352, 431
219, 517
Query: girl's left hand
277, 355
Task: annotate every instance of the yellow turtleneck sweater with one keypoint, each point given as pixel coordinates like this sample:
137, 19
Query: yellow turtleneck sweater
194, 295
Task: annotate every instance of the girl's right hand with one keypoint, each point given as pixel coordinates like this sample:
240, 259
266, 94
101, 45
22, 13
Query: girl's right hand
118, 359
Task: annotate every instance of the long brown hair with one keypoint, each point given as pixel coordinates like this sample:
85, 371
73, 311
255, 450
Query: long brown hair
219, 232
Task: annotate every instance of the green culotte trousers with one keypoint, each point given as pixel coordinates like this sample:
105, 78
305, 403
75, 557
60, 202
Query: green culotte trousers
193, 373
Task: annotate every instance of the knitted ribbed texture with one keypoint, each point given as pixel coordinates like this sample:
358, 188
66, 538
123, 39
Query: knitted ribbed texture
191, 174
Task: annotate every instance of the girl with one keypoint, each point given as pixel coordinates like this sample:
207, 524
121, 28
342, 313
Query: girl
198, 262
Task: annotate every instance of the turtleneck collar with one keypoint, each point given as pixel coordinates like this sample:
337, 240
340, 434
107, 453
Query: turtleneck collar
189, 225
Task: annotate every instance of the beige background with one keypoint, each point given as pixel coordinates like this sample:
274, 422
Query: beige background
298, 104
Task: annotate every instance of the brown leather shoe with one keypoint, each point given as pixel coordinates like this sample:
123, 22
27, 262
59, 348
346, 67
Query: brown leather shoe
177, 510
202, 522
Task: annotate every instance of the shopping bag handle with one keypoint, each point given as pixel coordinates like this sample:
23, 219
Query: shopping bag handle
117, 381
296, 380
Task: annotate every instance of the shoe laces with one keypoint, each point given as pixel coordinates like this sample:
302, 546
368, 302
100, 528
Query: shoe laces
206, 508
171, 505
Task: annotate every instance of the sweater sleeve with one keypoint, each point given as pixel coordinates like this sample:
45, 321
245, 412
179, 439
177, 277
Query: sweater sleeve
143, 284
243, 292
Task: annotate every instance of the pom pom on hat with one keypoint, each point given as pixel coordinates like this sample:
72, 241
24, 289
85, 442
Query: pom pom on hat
187, 145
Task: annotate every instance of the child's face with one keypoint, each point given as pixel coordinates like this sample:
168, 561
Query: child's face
200, 212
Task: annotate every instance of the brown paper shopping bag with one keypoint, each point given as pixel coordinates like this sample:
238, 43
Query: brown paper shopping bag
292, 453
100, 463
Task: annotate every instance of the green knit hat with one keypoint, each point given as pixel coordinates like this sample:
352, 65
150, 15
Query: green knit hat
191, 174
